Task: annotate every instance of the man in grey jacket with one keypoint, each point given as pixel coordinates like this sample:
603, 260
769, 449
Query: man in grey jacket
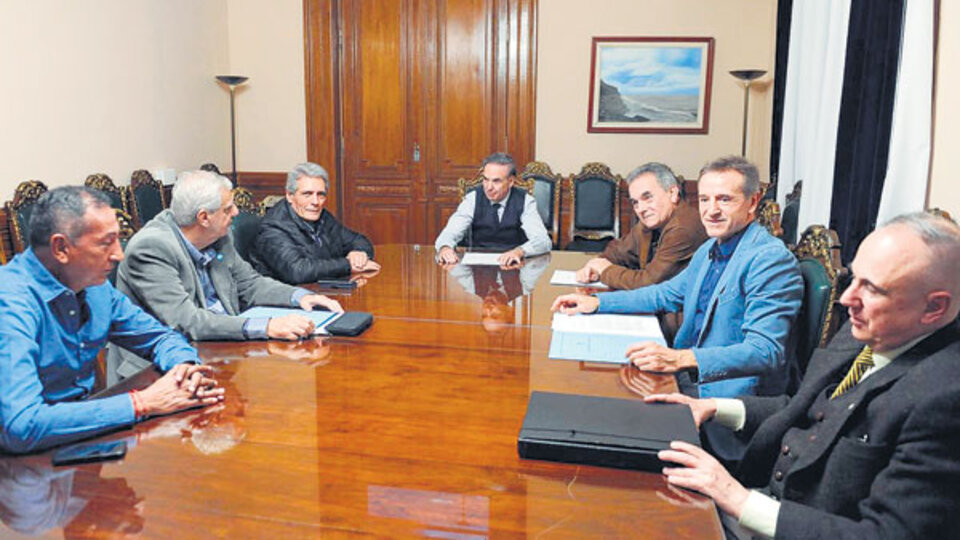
182, 268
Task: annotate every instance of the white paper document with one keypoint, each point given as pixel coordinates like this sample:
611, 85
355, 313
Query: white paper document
480, 259
601, 338
569, 277
320, 318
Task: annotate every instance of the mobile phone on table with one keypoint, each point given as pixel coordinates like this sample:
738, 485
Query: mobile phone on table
88, 452
337, 283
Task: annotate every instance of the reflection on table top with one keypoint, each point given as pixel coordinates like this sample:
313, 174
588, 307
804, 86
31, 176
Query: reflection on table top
408, 430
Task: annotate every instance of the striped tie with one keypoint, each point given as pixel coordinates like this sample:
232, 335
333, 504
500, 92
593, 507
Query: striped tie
861, 364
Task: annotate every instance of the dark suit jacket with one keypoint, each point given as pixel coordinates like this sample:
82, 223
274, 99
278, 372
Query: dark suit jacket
887, 466
285, 248
679, 239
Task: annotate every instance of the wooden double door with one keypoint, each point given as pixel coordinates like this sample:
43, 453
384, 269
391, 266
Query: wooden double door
425, 89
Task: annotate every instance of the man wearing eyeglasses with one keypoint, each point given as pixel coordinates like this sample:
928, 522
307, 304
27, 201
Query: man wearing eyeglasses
299, 242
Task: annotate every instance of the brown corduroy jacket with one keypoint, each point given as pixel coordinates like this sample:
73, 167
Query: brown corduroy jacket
679, 239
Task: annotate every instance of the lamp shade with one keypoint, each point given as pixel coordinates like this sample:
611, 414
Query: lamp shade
747, 74
232, 80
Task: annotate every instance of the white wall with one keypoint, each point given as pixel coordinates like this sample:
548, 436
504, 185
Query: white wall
945, 169
745, 33
266, 44
110, 86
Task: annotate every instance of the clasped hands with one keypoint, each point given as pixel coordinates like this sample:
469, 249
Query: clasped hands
361, 262
648, 356
184, 387
295, 326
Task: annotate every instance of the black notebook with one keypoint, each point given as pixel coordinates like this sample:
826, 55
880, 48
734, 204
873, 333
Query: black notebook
602, 431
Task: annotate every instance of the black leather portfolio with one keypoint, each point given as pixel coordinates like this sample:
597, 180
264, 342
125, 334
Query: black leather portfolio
351, 323
602, 431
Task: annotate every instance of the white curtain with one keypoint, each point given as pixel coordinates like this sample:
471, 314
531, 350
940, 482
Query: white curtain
908, 165
811, 112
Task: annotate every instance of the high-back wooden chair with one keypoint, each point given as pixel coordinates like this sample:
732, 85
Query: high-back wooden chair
818, 255
117, 194
595, 202
146, 197
247, 221
19, 210
546, 190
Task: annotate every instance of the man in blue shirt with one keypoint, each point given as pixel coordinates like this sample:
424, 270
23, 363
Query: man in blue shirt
57, 312
739, 295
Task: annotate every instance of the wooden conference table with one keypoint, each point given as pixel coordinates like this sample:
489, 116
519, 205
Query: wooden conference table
407, 430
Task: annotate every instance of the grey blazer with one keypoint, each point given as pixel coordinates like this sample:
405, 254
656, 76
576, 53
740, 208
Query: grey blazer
159, 275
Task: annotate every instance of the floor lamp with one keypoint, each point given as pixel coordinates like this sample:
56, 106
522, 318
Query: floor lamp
232, 82
746, 76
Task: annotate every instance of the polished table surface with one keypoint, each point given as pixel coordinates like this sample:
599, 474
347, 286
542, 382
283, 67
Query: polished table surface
407, 430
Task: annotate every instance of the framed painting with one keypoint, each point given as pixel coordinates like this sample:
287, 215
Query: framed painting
650, 85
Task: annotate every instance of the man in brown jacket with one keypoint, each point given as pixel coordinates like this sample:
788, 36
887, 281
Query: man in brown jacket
661, 243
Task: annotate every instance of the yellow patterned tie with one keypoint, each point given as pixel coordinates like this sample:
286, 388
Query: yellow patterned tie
861, 364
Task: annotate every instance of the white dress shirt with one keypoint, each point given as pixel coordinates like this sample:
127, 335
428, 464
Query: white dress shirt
538, 241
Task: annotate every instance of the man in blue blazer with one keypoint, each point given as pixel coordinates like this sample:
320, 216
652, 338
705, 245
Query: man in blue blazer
739, 295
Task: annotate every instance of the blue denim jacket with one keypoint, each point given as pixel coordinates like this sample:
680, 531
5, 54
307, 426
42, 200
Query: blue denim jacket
741, 349
47, 360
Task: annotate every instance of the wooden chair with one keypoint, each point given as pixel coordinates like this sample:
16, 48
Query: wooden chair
146, 197
211, 167
127, 231
546, 190
117, 195
818, 253
247, 221
464, 185
269, 202
595, 200
939, 212
768, 215
19, 210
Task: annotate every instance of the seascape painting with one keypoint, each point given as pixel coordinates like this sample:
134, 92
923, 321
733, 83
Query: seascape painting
650, 85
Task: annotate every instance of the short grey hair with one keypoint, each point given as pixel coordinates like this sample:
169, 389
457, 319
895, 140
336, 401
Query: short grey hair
62, 211
195, 191
939, 233
664, 174
306, 169
751, 176
500, 158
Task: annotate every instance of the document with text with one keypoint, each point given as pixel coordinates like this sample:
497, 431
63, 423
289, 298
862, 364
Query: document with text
601, 338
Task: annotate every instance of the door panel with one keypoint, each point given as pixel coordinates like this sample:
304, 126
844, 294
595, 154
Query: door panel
434, 76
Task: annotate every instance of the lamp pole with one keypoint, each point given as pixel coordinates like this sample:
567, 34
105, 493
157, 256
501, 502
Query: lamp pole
746, 76
232, 82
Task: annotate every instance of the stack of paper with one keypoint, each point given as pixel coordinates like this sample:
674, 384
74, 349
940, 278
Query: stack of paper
569, 277
601, 338
475, 258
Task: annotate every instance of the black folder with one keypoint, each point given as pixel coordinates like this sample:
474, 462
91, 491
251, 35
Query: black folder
602, 431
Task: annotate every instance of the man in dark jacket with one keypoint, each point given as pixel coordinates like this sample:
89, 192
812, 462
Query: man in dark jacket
867, 448
298, 241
